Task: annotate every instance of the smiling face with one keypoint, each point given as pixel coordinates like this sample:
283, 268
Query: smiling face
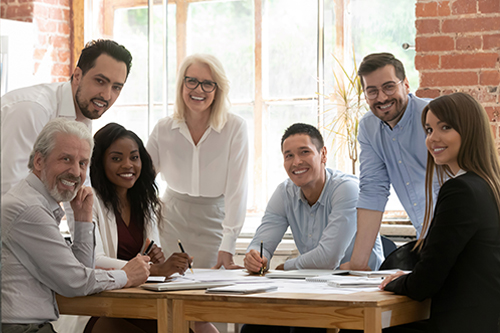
443, 142
303, 163
388, 108
122, 163
196, 100
64, 169
99, 88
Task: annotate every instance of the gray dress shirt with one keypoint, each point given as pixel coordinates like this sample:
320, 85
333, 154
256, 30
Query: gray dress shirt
37, 263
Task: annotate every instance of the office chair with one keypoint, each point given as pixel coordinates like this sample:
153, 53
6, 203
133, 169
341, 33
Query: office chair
388, 246
403, 258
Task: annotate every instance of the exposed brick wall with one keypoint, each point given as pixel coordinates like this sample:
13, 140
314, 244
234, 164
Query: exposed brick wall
458, 49
52, 21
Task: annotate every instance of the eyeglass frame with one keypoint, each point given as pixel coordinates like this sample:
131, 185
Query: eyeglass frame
193, 78
382, 88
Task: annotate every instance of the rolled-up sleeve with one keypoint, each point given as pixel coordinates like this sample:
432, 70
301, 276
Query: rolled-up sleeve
374, 182
274, 225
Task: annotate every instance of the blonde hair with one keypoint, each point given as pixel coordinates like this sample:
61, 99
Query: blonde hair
221, 104
477, 153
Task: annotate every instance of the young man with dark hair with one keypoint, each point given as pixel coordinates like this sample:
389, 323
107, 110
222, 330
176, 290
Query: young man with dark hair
95, 85
392, 151
319, 206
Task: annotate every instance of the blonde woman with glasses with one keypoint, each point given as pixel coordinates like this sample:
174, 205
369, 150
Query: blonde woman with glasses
201, 152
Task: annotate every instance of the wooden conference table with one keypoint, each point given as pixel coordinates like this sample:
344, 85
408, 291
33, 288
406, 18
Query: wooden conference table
370, 311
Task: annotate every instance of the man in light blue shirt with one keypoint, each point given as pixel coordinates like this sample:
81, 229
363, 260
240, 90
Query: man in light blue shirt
393, 151
318, 204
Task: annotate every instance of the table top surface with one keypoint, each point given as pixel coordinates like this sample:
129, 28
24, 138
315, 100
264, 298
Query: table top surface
364, 299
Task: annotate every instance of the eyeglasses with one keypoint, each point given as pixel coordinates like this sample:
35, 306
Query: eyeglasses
193, 83
388, 89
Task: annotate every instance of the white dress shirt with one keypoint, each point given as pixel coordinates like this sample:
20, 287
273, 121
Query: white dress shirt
217, 165
25, 112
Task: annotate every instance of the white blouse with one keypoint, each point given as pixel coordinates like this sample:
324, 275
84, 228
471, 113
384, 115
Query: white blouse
217, 165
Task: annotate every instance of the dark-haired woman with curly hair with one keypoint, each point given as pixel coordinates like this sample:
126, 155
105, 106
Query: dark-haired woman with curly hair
126, 208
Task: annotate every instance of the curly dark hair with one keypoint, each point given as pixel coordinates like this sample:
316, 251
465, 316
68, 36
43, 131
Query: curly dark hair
143, 196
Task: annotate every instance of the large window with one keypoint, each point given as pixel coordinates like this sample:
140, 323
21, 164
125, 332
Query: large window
277, 54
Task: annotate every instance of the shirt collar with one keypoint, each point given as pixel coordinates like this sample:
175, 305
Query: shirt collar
321, 199
405, 119
67, 106
459, 173
184, 130
38, 185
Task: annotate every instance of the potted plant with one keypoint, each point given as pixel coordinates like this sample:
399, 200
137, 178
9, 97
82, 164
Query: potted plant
348, 107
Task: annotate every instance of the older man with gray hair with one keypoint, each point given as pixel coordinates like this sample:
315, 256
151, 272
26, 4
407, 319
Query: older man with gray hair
36, 262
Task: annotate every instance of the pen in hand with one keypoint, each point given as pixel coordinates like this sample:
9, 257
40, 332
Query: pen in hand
262, 268
182, 250
150, 246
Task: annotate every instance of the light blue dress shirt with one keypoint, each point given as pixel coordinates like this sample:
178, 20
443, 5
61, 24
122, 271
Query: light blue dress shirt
395, 156
323, 233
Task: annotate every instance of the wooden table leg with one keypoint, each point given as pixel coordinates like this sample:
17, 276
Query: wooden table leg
179, 323
162, 315
373, 320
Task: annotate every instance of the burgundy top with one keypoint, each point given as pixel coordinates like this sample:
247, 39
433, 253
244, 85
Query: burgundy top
130, 238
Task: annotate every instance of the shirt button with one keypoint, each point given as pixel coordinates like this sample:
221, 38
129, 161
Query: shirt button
393, 139
415, 204
399, 161
312, 214
310, 235
407, 183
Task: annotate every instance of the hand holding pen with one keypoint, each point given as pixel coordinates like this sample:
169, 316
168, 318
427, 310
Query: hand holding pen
182, 250
154, 252
254, 262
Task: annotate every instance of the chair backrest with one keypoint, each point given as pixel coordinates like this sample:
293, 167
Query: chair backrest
388, 246
403, 258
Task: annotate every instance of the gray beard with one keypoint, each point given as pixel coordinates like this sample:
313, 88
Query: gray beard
54, 192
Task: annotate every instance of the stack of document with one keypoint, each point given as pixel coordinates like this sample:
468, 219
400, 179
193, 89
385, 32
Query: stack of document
381, 273
353, 282
302, 273
243, 289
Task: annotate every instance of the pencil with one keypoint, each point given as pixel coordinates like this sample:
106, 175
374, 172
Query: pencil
182, 250
261, 248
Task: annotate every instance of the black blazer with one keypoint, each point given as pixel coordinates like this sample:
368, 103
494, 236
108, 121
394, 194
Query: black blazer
459, 266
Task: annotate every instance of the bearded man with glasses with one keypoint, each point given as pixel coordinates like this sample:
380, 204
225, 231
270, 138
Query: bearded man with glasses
392, 151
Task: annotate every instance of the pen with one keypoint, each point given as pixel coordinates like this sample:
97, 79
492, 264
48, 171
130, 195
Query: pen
262, 267
146, 252
182, 250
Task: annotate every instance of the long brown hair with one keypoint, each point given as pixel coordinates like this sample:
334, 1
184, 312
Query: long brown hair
477, 153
